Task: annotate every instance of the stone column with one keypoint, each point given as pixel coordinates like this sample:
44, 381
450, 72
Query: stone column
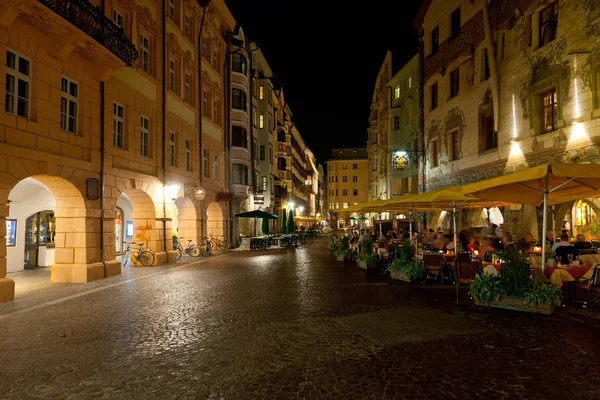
7, 286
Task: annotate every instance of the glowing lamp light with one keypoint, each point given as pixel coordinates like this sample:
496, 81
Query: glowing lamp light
475, 253
301, 208
171, 192
291, 204
537, 249
400, 160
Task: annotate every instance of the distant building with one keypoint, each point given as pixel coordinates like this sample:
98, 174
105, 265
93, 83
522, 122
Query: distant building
347, 182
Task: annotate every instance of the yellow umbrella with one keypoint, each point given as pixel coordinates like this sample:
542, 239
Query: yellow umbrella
542, 185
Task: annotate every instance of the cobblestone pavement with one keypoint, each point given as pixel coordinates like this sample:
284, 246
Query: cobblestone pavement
288, 324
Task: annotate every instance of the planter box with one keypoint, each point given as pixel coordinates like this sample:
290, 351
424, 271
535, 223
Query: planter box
518, 304
362, 264
340, 258
401, 276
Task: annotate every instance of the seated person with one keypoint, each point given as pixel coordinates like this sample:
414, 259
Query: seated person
581, 243
527, 243
564, 241
472, 244
440, 246
354, 240
485, 247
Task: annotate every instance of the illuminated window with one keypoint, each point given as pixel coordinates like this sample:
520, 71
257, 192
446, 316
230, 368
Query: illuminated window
261, 92
549, 110
397, 92
345, 205
261, 123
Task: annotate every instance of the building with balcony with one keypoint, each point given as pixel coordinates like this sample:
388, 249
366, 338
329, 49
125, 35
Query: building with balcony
347, 182
404, 128
283, 152
105, 137
509, 85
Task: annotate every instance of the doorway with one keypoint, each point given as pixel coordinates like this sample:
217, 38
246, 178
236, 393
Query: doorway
119, 231
40, 230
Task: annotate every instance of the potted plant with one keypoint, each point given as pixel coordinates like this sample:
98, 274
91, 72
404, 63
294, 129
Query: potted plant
591, 231
366, 259
514, 289
343, 251
404, 268
550, 261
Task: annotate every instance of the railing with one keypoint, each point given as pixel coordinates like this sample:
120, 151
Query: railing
90, 20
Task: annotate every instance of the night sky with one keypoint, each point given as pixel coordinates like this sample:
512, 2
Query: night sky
326, 55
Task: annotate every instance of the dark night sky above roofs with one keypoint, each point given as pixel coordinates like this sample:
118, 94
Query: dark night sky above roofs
326, 55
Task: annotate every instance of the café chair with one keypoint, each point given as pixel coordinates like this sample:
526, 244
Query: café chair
434, 262
564, 251
465, 271
591, 286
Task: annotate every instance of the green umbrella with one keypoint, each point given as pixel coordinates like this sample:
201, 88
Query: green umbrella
265, 226
291, 222
283, 223
352, 218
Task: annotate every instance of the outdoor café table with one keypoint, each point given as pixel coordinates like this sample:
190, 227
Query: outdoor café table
491, 268
561, 275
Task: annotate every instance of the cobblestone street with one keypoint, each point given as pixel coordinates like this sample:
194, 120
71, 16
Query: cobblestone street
290, 323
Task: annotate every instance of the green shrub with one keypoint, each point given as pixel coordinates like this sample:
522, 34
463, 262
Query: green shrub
540, 293
485, 288
409, 269
368, 258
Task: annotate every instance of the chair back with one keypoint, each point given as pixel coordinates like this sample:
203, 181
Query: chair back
433, 259
564, 251
595, 243
595, 277
488, 256
589, 250
468, 269
463, 255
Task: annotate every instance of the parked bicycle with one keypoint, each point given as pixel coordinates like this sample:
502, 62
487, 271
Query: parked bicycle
205, 247
191, 249
221, 244
144, 256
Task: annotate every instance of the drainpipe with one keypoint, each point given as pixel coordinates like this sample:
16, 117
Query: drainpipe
227, 127
421, 133
164, 121
102, 136
491, 56
204, 4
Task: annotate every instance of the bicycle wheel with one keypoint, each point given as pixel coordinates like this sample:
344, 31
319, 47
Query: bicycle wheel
146, 258
124, 258
224, 245
179, 253
194, 251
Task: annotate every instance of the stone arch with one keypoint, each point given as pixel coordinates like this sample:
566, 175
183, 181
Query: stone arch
146, 225
562, 209
215, 221
186, 222
76, 230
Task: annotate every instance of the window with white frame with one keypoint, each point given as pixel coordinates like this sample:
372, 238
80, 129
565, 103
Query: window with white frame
188, 89
144, 136
409, 82
118, 125
205, 162
345, 192
172, 9
397, 92
188, 155
264, 184
172, 75
261, 92
215, 57
345, 205
172, 149
145, 53
68, 105
261, 121
355, 178
215, 110
186, 25
118, 19
18, 84
216, 167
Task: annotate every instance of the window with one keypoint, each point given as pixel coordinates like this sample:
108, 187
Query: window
397, 92
239, 63
345, 205
118, 126
239, 137
433, 156
455, 140
172, 75
254, 88
240, 174
216, 111
186, 25
337, 205
261, 92
118, 19
205, 102
239, 100
18, 79
396, 123
261, 121
489, 136
262, 152
435, 40
68, 105
454, 82
216, 167
271, 124
172, 9
254, 116
281, 163
215, 58
336, 179
144, 137
355, 178
485, 66
270, 153
264, 184
455, 23
355, 192
188, 155
434, 96
355, 166
549, 111
11, 232
409, 82
205, 47
145, 53
172, 148
344, 178
205, 162
345, 192
188, 88
336, 192
255, 148
548, 18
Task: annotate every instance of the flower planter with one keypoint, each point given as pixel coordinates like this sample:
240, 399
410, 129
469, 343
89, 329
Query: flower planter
401, 276
517, 303
341, 258
362, 264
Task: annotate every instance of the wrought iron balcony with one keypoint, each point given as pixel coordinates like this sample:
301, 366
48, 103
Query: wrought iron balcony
91, 21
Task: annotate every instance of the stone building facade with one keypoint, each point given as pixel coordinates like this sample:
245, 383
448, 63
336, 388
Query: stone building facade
105, 138
508, 85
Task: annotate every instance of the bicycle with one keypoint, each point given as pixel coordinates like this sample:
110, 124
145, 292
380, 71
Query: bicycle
144, 256
206, 247
221, 244
191, 249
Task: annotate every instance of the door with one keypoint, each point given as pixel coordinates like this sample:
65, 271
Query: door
31, 241
119, 226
